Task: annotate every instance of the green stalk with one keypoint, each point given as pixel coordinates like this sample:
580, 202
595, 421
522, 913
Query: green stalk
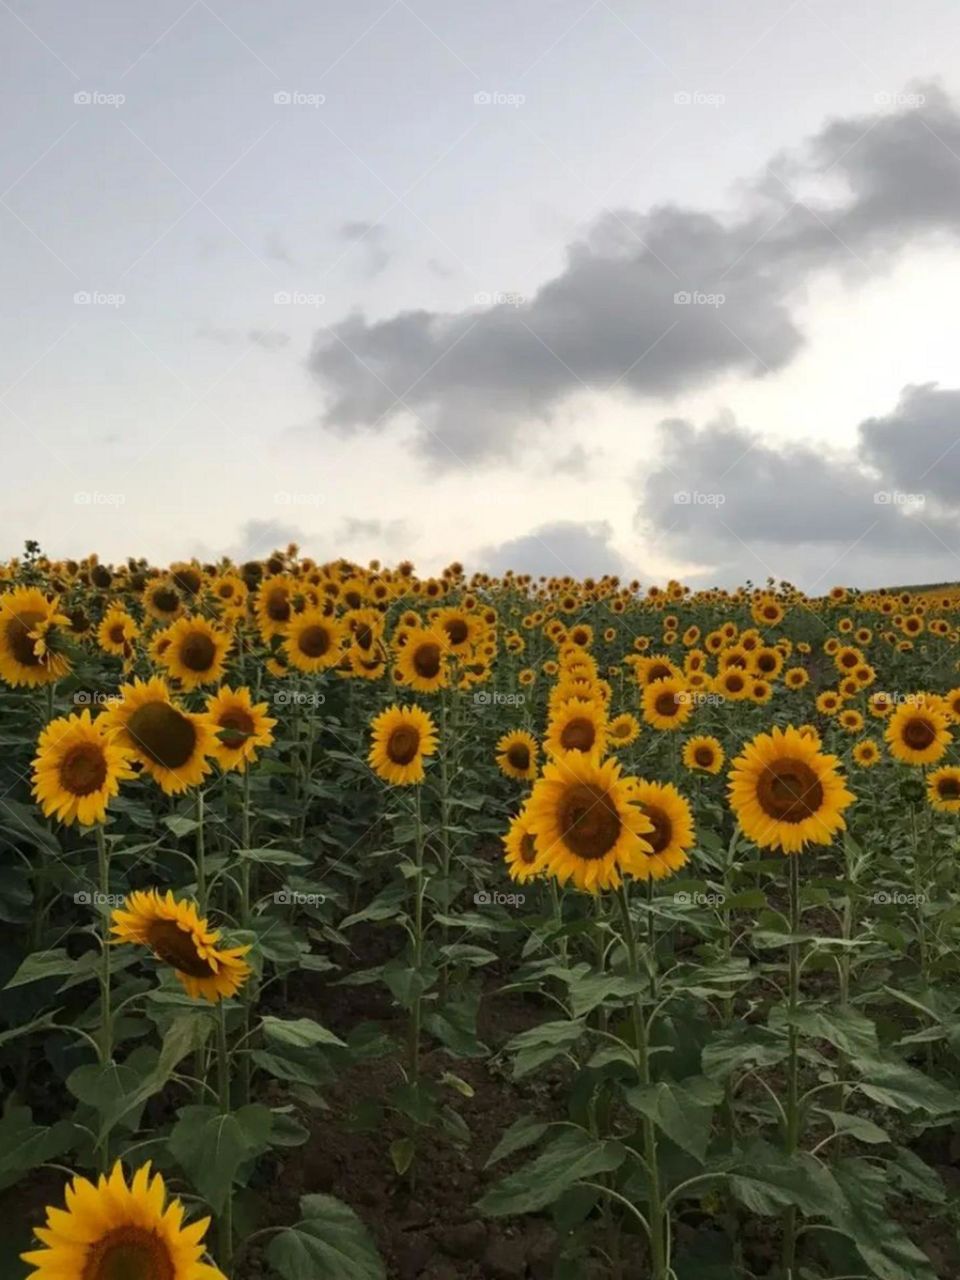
444, 833
201, 857
248, 994
106, 1018
792, 1136
225, 1225
659, 1259
417, 943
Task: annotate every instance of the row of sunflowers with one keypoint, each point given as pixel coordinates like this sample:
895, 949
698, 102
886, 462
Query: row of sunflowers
710, 838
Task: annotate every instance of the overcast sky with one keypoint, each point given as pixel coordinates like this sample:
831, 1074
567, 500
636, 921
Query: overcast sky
660, 288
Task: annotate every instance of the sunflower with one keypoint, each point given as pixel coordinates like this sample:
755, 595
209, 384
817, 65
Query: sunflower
796, 677
667, 704
918, 732
178, 935
952, 699
866, 753
520, 849
241, 727
313, 641
584, 825
517, 755
171, 744
672, 820
422, 659
733, 685
78, 770
275, 604
195, 652
943, 789
623, 730
111, 1230
461, 628
117, 632
28, 623
828, 702
402, 736
578, 726
786, 793
162, 601
851, 720
704, 754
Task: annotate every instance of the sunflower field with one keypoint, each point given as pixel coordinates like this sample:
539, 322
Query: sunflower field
362, 925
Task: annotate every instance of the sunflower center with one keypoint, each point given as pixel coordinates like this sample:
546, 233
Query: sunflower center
426, 660
789, 791
919, 734
235, 727
703, 757
278, 605
116, 633
667, 704
519, 755
18, 637
457, 630
363, 636
177, 949
129, 1253
734, 683
163, 734
198, 652
659, 838
766, 662
579, 734
314, 641
403, 744
83, 769
589, 822
949, 788
166, 600
528, 849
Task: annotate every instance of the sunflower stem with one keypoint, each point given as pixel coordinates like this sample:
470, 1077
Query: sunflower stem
417, 942
658, 1228
248, 994
225, 1226
792, 1136
201, 857
106, 1017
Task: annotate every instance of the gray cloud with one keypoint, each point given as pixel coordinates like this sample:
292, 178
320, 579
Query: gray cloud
371, 241
384, 531
609, 319
918, 445
258, 538
558, 549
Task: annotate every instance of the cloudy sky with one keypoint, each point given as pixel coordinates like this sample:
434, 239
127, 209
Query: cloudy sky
658, 287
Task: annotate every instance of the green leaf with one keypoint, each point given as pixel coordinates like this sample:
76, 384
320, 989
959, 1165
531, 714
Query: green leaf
522, 1133
298, 1033
328, 1243
570, 1158
274, 857
179, 825
43, 964
402, 1152
894, 1084
742, 1045
858, 1127
24, 1145
684, 1111
211, 1147
541, 1044
914, 1178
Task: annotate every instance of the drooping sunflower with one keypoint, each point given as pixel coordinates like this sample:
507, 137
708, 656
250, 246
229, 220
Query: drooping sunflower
943, 789
313, 641
402, 736
622, 731
667, 704
112, 1231
786, 793
918, 732
673, 834
178, 935
585, 827
704, 754
577, 726
172, 745
117, 632
162, 600
29, 624
78, 769
195, 651
422, 661
275, 604
517, 755
520, 849
240, 725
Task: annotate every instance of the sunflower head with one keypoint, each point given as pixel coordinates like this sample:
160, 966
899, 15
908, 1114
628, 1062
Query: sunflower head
703, 754
402, 737
517, 755
78, 769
